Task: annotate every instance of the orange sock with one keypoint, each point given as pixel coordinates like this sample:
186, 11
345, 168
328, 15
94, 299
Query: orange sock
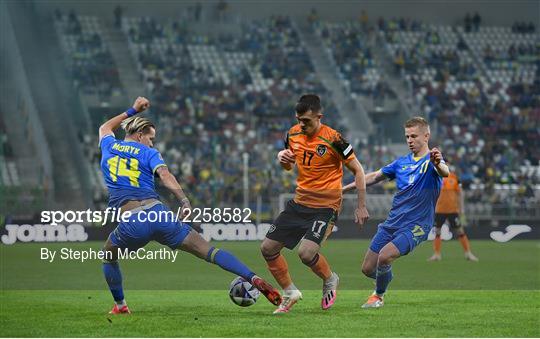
437, 244
320, 267
280, 270
464, 242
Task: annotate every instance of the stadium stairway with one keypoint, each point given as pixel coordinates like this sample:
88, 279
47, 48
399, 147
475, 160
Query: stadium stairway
396, 82
353, 112
53, 95
127, 69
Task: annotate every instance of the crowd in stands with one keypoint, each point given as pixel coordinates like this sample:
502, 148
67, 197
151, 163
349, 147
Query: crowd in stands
90, 61
487, 128
523, 28
217, 97
472, 23
349, 44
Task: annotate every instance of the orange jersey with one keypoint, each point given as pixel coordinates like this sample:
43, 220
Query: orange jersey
450, 194
319, 162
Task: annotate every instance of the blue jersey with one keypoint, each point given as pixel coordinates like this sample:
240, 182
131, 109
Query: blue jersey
418, 185
128, 168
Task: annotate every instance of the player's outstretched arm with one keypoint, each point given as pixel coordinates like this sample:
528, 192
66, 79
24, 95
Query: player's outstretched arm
374, 178
286, 159
371, 179
361, 214
170, 182
108, 127
435, 156
349, 187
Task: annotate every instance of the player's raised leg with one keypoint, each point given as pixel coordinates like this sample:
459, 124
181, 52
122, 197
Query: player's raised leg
369, 266
113, 276
278, 267
371, 258
310, 256
383, 276
195, 244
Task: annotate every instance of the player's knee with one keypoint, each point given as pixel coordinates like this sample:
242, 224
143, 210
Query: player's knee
109, 255
384, 258
368, 270
267, 250
307, 255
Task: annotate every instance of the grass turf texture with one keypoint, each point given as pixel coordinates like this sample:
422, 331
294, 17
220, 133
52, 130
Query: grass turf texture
497, 297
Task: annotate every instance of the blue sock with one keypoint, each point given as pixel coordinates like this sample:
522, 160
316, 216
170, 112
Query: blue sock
384, 276
113, 276
229, 263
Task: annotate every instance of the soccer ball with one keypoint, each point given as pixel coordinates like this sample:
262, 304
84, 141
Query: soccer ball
242, 293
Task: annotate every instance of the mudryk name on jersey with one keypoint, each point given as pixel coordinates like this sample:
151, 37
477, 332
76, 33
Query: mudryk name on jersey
319, 160
125, 148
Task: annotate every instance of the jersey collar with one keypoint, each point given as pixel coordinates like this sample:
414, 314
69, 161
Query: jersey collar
415, 159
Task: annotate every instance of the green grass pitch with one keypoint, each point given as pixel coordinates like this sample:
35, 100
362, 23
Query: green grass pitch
496, 297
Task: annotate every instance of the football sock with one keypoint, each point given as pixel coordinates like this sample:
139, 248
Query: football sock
291, 287
320, 266
384, 276
277, 265
437, 243
229, 262
113, 276
464, 242
120, 303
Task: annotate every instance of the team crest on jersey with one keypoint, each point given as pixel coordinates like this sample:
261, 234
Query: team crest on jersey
321, 150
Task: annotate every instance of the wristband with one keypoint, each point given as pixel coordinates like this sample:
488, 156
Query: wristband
131, 112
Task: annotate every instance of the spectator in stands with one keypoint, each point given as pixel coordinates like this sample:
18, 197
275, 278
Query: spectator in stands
313, 16
512, 52
222, 8
364, 21
118, 17
489, 55
73, 26
468, 23
380, 92
432, 37
476, 21
461, 45
198, 12
523, 28
381, 23
399, 61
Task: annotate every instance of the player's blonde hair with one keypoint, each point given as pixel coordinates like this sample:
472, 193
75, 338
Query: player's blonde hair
417, 121
137, 124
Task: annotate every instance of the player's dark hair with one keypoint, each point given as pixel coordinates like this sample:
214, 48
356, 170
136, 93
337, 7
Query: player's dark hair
308, 102
137, 124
